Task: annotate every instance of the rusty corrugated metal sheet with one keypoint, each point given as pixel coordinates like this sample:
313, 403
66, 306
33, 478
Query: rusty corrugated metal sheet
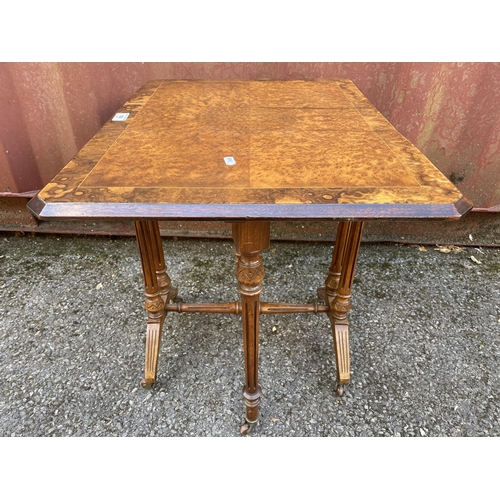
449, 110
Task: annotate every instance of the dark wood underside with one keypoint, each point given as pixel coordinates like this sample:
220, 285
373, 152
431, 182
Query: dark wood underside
160, 211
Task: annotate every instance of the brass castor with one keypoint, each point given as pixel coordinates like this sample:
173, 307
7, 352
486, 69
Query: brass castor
246, 427
146, 384
340, 390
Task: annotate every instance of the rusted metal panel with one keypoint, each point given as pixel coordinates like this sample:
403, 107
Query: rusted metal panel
451, 111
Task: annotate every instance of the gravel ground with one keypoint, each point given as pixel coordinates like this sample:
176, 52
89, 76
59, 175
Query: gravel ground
425, 342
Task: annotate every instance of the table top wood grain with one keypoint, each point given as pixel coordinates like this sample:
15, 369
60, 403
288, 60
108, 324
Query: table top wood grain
301, 149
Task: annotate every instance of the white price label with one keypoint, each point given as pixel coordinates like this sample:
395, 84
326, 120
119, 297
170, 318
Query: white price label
120, 117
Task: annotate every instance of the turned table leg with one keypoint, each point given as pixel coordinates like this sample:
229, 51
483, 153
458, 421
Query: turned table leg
250, 239
337, 294
157, 290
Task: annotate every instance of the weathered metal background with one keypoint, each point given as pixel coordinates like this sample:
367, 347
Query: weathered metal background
451, 111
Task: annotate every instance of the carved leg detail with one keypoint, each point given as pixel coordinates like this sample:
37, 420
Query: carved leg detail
153, 338
341, 342
250, 238
338, 287
167, 291
157, 290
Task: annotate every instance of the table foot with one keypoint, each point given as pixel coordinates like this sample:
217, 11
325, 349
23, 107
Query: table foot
153, 339
341, 344
252, 402
147, 384
247, 427
158, 291
337, 293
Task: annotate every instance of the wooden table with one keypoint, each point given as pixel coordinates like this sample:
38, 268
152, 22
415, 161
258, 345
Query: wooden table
249, 152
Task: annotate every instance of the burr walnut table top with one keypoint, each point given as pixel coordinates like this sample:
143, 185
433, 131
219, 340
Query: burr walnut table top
238, 149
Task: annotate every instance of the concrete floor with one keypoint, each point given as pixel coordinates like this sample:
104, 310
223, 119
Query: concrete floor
425, 342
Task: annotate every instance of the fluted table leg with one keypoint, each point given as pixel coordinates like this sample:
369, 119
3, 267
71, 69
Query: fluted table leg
157, 290
337, 294
250, 239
